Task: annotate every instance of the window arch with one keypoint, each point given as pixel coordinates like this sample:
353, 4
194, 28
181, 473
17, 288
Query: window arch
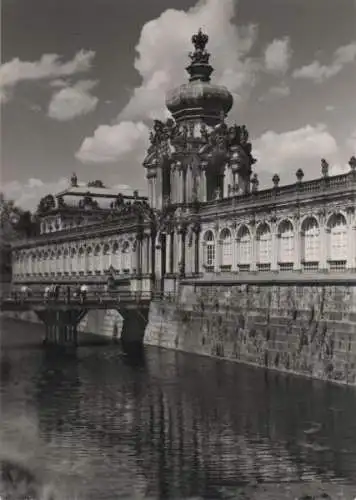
59, 268
66, 260
286, 242
264, 244
106, 257
337, 238
45, 262
96, 260
209, 250
226, 248
125, 256
73, 260
89, 260
81, 260
311, 240
244, 248
115, 255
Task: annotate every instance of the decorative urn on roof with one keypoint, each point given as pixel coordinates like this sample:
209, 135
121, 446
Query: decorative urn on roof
199, 99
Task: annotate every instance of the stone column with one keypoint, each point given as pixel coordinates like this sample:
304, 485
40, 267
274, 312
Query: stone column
275, 247
298, 248
138, 255
144, 254
227, 181
183, 184
181, 263
323, 242
218, 255
158, 189
253, 266
158, 250
169, 238
202, 195
197, 256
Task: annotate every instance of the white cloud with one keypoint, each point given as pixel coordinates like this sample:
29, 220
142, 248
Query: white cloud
329, 108
301, 148
49, 66
318, 73
28, 194
163, 50
111, 142
59, 83
70, 102
277, 56
276, 92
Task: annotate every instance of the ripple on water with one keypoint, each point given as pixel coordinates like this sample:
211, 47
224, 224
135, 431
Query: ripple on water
98, 425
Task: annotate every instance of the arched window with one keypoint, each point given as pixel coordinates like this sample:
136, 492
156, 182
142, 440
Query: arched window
81, 260
311, 240
40, 264
45, 263
125, 257
73, 261
209, 253
244, 248
106, 257
66, 261
285, 243
97, 263
337, 239
264, 246
115, 255
59, 260
226, 248
89, 260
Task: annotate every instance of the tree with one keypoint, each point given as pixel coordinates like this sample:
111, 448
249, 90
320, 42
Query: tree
15, 222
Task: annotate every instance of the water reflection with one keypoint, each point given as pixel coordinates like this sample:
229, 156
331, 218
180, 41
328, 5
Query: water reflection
174, 425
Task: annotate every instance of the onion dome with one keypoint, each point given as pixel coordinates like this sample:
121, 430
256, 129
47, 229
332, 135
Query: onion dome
199, 99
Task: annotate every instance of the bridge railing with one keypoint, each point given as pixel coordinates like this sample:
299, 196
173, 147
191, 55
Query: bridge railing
88, 298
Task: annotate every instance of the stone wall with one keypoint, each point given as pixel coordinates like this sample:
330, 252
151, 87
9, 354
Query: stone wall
104, 322
107, 323
300, 329
29, 316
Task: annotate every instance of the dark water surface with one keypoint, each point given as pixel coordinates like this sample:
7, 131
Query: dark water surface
100, 425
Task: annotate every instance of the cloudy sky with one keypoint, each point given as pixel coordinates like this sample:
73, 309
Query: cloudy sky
81, 81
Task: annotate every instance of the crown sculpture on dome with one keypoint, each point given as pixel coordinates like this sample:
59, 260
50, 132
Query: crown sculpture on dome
199, 68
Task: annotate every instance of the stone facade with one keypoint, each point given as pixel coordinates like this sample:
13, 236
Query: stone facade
308, 330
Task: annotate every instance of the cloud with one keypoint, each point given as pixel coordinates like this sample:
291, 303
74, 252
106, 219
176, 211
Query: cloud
163, 54
287, 151
276, 92
49, 66
59, 83
329, 108
277, 56
111, 142
27, 194
70, 102
318, 73
163, 49
351, 142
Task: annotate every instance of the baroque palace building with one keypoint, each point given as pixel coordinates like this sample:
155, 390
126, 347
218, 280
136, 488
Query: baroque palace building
204, 213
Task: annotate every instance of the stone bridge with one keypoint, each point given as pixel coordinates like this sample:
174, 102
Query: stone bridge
62, 315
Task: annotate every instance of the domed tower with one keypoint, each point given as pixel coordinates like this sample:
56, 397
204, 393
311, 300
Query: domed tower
195, 157
199, 100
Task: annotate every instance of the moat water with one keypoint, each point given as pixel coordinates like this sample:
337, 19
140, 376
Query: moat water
98, 424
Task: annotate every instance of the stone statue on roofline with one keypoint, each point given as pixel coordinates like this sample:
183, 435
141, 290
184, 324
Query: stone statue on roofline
74, 180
